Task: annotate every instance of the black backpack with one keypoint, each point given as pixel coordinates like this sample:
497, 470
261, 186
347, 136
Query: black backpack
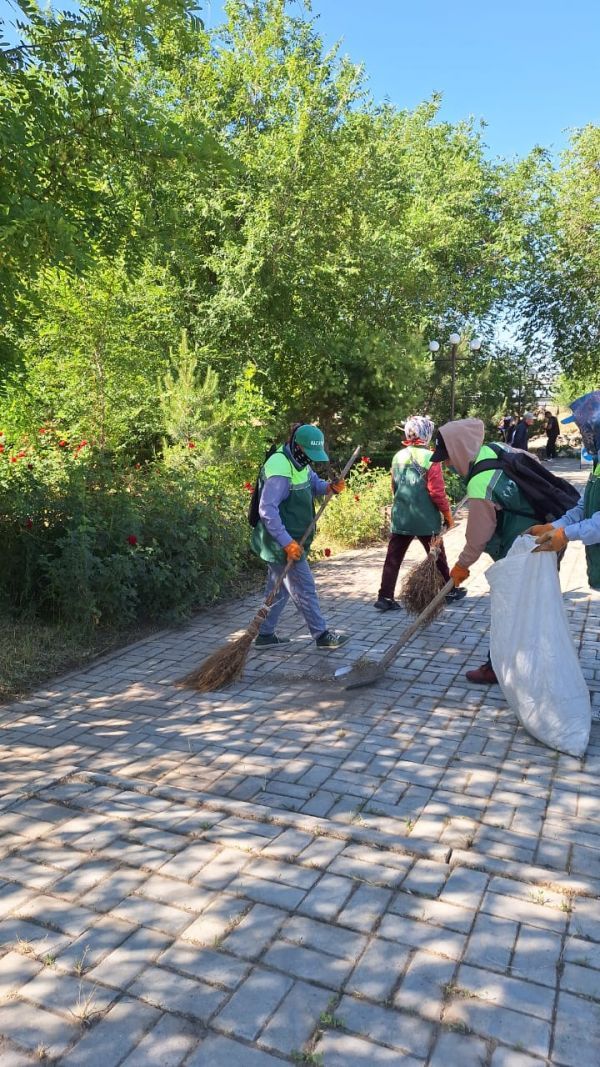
548, 495
253, 515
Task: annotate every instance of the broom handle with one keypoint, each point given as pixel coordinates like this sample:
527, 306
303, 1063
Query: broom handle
307, 533
411, 630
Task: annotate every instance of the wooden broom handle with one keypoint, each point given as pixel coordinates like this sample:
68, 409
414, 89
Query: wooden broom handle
309, 530
411, 630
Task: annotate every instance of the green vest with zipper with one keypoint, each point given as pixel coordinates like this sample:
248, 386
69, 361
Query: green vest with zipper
413, 510
516, 514
296, 510
591, 504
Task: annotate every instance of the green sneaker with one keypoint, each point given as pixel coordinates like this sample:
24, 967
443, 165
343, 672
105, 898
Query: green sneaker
269, 641
331, 639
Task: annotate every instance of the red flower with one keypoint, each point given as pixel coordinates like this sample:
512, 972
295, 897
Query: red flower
327, 552
1, 448
62, 444
42, 429
365, 459
132, 539
249, 487
21, 454
14, 459
191, 444
28, 522
356, 497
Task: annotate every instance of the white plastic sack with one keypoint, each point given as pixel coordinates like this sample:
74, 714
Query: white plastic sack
532, 649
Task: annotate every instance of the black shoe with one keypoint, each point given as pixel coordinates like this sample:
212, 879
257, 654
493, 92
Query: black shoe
384, 604
331, 639
270, 641
455, 594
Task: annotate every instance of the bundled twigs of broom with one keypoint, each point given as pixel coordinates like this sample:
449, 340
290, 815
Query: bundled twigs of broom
424, 581
227, 663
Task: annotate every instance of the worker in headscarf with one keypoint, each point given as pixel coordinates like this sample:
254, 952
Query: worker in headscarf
420, 504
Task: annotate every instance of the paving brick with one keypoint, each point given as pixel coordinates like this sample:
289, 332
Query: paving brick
15, 971
508, 1057
365, 908
125, 963
295, 1019
492, 942
330, 971
458, 1050
264, 891
183, 995
287, 846
255, 931
423, 986
223, 1052
584, 953
34, 1029
327, 898
166, 1045
507, 992
404, 1032
585, 920
28, 937
74, 997
140, 911
501, 1024
464, 888
114, 1036
422, 935
61, 915
341, 1050
216, 921
321, 852
204, 963
112, 890
537, 955
90, 947
577, 1031
439, 912
252, 1004
190, 860
324, 937
427, 878
378, 970
287, 873
173, 891
582, 980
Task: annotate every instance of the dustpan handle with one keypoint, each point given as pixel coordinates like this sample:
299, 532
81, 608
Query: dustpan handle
309, 529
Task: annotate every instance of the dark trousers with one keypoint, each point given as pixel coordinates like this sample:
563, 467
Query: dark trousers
551, 447
396, 552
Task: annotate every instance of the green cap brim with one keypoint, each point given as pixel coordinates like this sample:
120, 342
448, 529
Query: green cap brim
318, 455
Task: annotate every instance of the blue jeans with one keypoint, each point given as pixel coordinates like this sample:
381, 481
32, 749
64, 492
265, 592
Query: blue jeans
300, 586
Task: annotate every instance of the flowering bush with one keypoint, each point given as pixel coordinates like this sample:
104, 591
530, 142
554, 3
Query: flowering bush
356, 517
89, 544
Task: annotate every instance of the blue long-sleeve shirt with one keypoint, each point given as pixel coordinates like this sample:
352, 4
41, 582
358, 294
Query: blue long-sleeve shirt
577, 528
277, 489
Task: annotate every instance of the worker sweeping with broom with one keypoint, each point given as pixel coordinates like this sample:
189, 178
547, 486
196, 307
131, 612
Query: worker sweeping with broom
420, 504
287, 488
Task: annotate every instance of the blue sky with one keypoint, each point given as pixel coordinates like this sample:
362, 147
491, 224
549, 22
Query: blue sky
529, 68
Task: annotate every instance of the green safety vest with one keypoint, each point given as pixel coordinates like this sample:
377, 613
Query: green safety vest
413, 510
296, 511
591, 504
516, 514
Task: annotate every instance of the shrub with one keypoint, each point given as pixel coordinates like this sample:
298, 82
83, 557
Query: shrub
357, 516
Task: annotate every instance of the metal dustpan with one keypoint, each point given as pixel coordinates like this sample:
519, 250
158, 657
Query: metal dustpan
367, 672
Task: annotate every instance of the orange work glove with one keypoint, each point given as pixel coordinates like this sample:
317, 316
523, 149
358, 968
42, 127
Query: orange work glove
553, 540
448, 519
459, 574
293, 551
535, 531
338, 486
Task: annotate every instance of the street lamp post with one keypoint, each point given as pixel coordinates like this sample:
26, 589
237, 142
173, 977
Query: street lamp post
454, 340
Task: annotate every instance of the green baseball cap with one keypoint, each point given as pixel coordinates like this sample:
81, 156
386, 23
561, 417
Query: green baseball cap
312, 442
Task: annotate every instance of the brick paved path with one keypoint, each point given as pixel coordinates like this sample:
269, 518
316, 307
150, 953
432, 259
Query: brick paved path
283, 873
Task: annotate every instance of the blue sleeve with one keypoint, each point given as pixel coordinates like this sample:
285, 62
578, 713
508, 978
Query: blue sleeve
275, 490
587, 530
318, 486
573, 515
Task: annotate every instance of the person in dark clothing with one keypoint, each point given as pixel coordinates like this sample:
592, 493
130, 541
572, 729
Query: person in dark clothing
507, 428
520, 437
552, 432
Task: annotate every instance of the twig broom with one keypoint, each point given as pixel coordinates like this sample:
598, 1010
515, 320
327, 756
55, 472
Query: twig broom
227, 663
424, 581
